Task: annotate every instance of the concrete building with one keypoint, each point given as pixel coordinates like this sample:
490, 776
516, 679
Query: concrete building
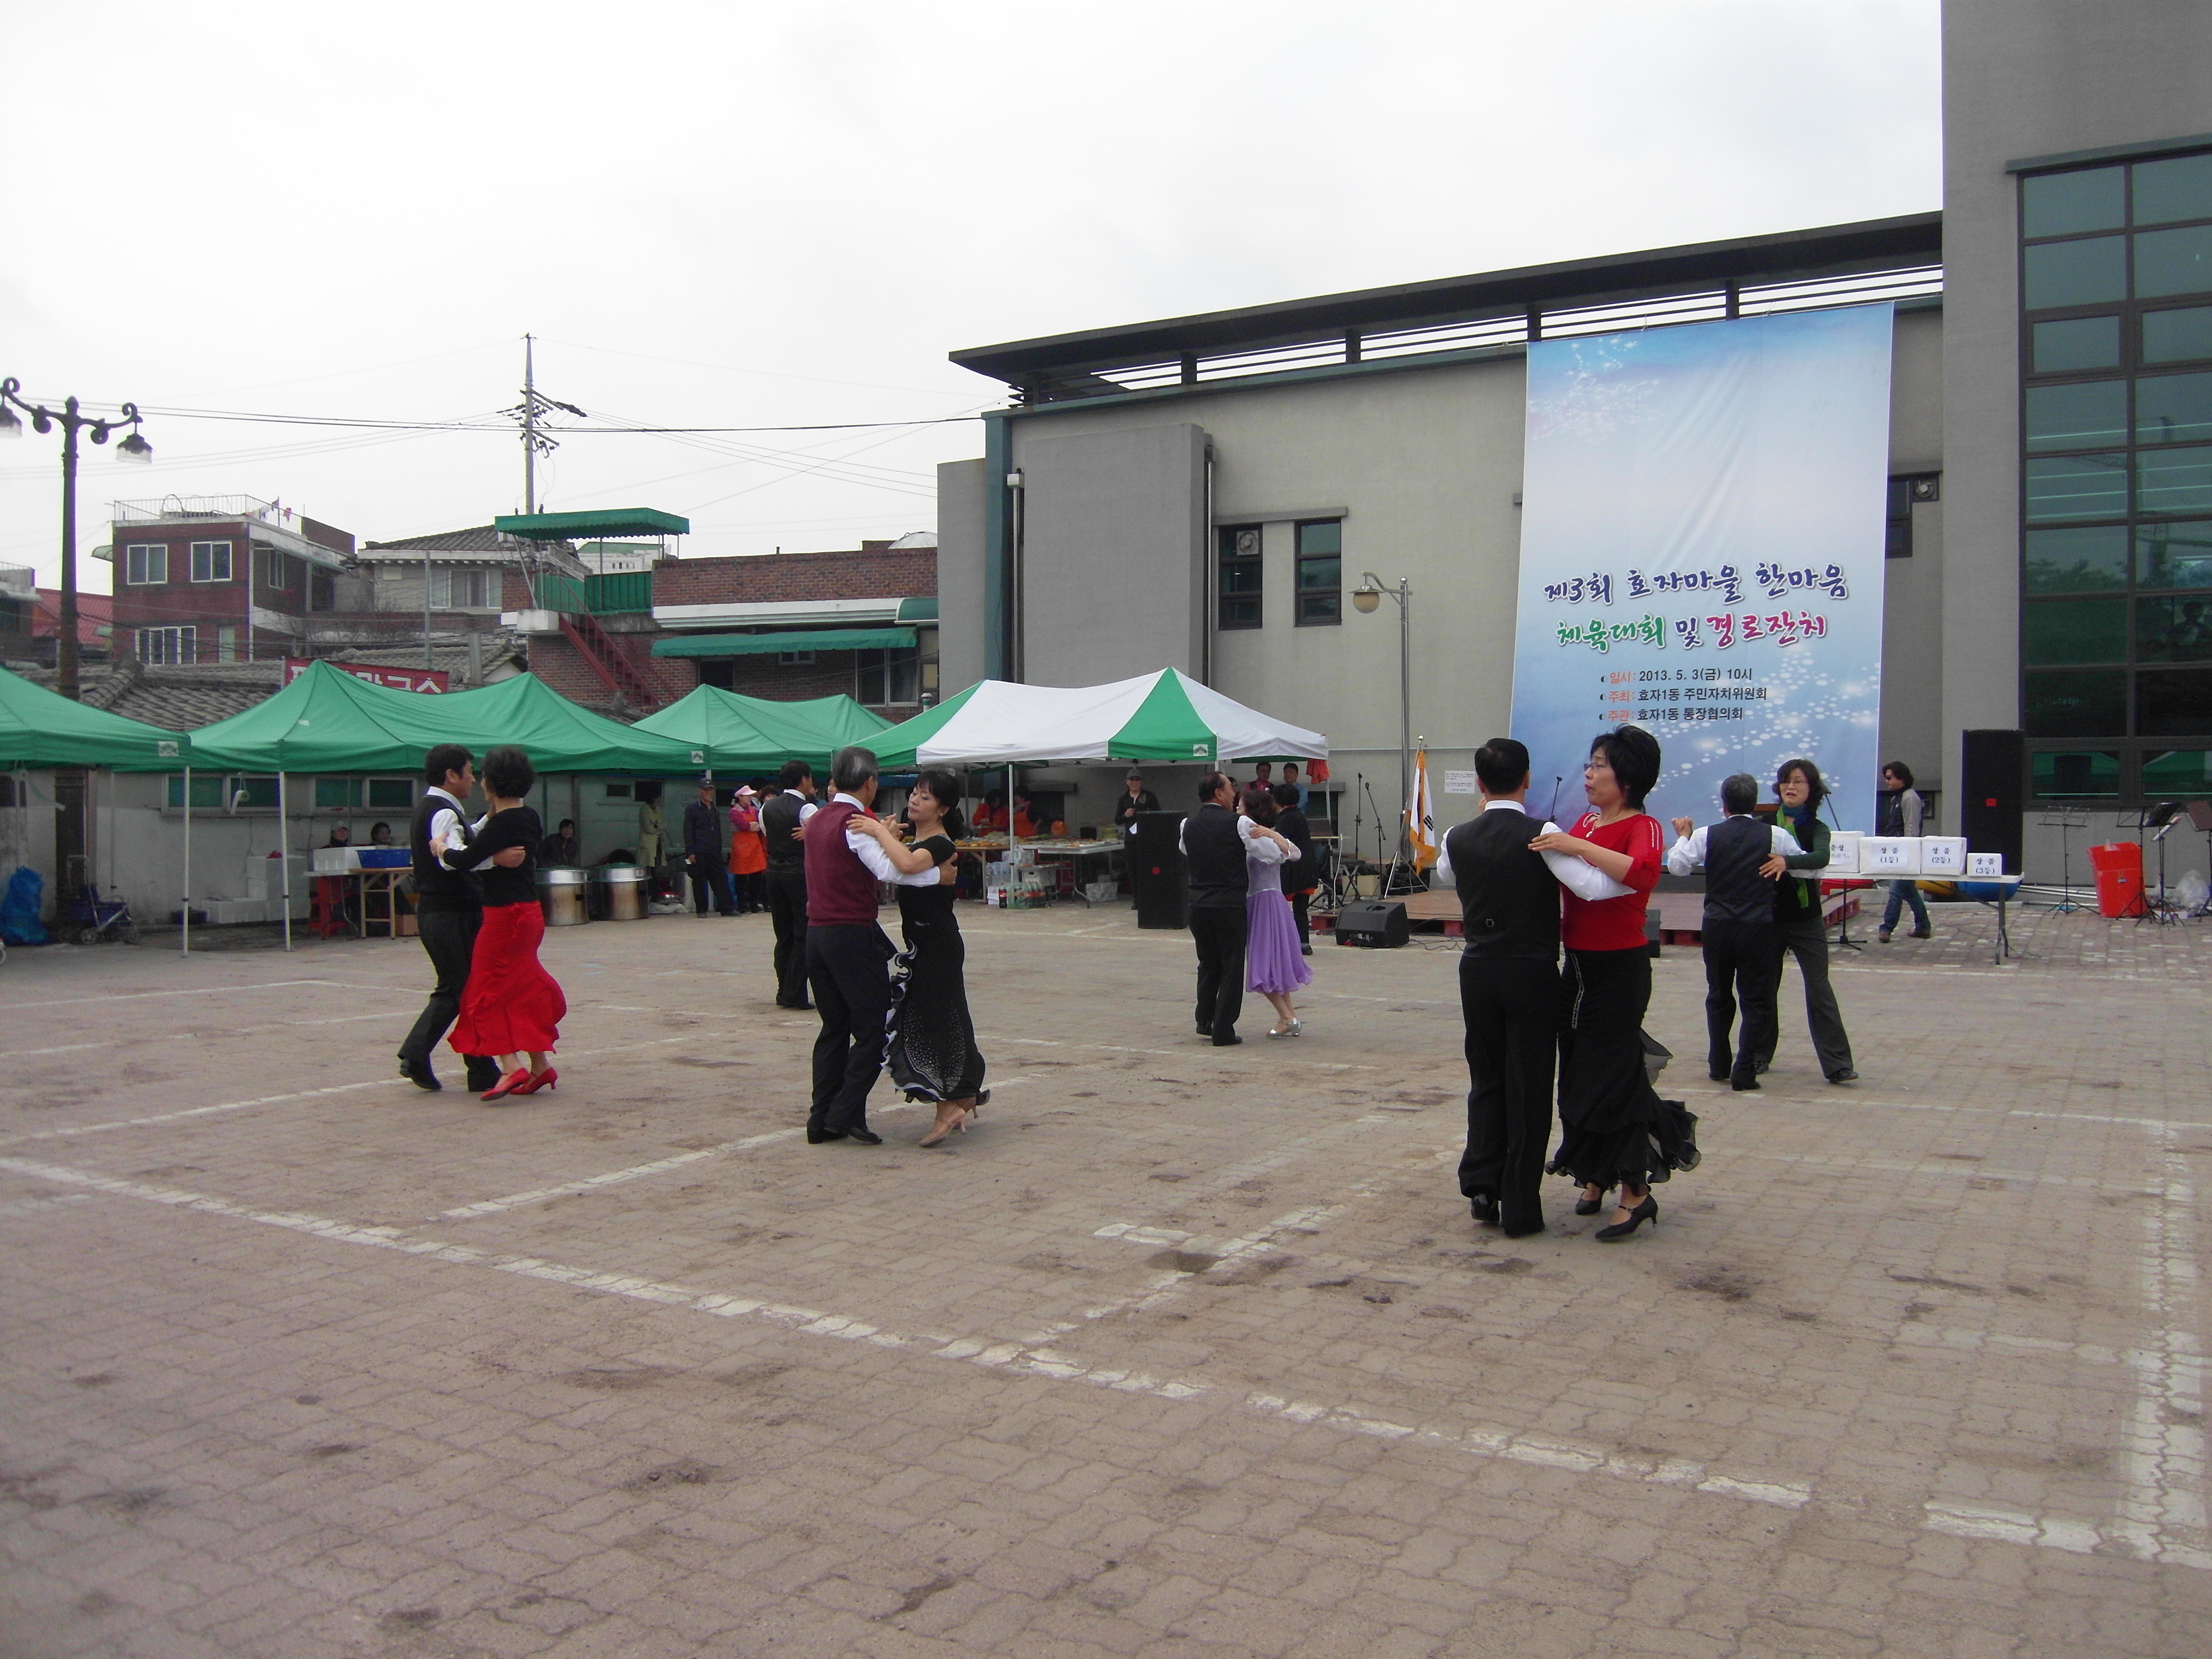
219, 578
1203, 491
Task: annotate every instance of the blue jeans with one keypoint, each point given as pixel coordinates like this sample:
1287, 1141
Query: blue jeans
1902, 893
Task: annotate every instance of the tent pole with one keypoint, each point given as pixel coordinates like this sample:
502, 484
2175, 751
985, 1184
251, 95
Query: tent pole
285, 859
185, 910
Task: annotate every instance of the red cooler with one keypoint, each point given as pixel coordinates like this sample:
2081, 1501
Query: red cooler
2119, 865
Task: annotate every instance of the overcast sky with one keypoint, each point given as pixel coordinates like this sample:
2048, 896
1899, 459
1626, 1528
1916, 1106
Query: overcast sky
764, 214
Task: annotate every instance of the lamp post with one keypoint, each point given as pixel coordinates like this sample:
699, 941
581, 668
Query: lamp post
1366, 598
71, 420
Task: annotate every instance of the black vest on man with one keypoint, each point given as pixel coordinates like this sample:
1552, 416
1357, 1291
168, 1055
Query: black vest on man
1734, 890
437, 887
1214, 855
1509, 901
779, 818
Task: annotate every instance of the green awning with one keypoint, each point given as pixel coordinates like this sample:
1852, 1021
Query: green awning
761, 644
742, 734
42, 728
328, 722
606, 521
918, 610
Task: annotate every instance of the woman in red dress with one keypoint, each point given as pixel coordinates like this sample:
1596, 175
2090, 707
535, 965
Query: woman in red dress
512, 1006
1615, 1130
748, 852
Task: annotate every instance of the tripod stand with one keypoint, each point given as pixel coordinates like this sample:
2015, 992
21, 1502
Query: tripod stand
2200, 814
2160, 911
2065, 823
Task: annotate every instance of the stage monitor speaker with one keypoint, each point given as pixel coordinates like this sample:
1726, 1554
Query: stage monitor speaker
1156, 877
1993, 792
1378, 924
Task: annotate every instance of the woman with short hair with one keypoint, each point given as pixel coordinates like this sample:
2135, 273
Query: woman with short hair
511, 1008
1799, 788
1615, 1129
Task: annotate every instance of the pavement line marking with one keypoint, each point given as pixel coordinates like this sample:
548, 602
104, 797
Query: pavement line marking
202, 991
2163, 1442
1016, 1358
1163, 1054
184, 1113
1962, 1339
31, 1206
1913, 1167
66, 1048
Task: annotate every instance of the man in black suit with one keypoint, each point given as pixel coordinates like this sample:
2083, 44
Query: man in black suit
706, 852
448, 910
1300, 876
1213, 856
1510, 994
1138, 799
783, 819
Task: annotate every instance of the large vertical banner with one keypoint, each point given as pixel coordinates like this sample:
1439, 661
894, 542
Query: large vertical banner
1701, 553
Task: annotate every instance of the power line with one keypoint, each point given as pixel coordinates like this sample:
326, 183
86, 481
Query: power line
481, 423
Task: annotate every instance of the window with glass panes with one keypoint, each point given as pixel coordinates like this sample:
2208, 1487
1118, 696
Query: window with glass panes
2116, 473
1240, 576
1321, 571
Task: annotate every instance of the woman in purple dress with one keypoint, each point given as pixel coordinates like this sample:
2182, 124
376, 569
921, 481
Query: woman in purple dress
1273, 964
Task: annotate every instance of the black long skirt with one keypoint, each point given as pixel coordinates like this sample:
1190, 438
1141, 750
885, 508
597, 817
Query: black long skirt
1615, 1129
931, 1052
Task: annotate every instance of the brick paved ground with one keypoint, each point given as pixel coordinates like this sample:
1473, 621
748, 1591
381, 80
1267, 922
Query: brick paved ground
1184, 1351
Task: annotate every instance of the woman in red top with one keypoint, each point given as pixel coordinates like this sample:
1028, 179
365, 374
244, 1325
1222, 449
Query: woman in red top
1615, 1130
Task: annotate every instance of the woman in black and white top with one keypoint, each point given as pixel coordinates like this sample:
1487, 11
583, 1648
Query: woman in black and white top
932, 1051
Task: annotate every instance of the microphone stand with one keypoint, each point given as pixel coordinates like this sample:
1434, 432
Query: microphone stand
1844, 940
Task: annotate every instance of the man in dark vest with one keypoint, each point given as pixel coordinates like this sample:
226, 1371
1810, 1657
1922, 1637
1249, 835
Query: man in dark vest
448, 910
1742, 940
1510, 994
1213, 856
848, 957
782, 818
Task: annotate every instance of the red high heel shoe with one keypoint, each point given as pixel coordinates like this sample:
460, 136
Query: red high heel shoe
545, 1079
516, 1082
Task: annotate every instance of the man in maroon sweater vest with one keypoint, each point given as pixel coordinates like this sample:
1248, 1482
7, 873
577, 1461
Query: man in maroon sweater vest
848, 957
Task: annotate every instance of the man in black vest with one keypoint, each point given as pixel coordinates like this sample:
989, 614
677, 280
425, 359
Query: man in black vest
1510, 994
1214, 854
1742, 940
448, 910
781, 820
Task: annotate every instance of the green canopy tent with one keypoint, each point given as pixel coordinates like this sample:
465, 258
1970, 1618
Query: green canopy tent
754, 734
327, 720
41, 728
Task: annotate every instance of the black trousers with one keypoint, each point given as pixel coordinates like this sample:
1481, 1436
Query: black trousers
1220, 937
1513, 1012
750, 891
1298, 903
1743, 963
1806, 937
709, 880
849, 965
449, 938
787, 910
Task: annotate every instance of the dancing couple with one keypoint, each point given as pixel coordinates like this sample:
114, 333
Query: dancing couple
1240, 922
930, 1043
478, 915
1526, 892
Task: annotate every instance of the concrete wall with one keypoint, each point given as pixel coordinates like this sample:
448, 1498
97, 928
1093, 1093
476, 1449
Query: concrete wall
2022, 80
1422, 466
1112, 552
961, 503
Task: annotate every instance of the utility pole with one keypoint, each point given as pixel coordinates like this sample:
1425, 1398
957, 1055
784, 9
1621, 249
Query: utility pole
529, 424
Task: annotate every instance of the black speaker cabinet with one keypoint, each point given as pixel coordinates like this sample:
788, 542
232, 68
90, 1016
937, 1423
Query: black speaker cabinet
1379, 924
1156, 877
1993, 792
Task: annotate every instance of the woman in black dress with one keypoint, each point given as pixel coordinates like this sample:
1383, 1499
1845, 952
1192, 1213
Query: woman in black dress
932, 1050
512, 1007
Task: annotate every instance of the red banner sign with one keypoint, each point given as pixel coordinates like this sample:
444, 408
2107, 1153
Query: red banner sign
398, 679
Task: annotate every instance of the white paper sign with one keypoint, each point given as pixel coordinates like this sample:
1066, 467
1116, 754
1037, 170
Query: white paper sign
1461, 783
1890, 855
1984, 864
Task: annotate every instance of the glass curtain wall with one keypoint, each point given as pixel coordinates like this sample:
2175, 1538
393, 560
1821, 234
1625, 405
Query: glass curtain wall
2116, 507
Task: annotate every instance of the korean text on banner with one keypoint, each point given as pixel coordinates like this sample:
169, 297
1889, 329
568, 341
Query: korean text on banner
1701, 551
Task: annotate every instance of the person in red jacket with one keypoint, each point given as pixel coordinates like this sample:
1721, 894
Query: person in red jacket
1615, 1130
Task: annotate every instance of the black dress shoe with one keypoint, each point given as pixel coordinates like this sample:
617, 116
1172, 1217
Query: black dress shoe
1484, 1208
1646, 1209
1229, 1042
1305, 950
1847, 1075
1590, 1206
418, 1073
484, 1077
802, 1007
1745, 1084
816, 1136
1524, 1232
866, 1137
1718, 1077
1206, 1030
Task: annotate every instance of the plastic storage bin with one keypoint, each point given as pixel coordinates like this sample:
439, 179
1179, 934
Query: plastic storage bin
2119, 865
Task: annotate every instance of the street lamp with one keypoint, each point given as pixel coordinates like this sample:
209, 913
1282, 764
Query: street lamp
71, 420
1367, 598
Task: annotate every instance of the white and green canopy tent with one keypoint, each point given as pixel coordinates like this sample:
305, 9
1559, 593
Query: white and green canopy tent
1161, 716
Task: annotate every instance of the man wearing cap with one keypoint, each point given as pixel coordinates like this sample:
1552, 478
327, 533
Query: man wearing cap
1138, 799
702, 852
